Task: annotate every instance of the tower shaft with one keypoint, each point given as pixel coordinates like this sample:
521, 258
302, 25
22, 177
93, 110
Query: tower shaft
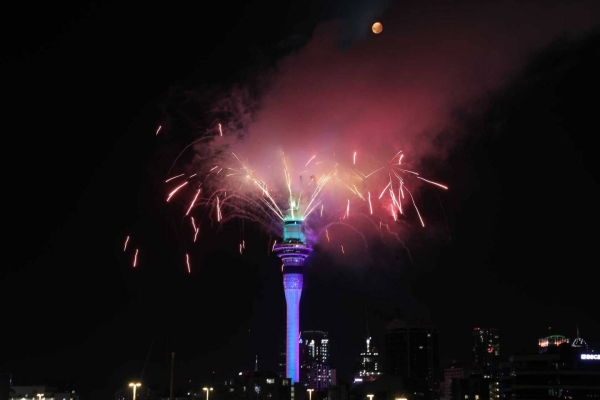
292, 286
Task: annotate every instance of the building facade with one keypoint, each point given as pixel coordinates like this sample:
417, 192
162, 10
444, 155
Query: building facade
368, 365
456, 370
315, 370
255, 385
412, 354
557, 371
486, 357
42, 392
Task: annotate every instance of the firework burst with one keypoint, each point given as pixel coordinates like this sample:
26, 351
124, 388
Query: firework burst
218, 178
223, 185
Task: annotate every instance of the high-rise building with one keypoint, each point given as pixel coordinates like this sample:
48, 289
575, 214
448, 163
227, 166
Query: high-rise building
292, 251
486, 357
368, 366
486, 351
579, 342
314, 360
412, 353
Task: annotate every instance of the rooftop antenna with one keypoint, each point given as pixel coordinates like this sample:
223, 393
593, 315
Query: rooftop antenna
367, 323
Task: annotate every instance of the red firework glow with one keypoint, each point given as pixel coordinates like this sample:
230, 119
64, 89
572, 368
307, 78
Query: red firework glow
334, 185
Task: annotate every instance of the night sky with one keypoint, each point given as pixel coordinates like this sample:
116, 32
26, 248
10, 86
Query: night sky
501, 101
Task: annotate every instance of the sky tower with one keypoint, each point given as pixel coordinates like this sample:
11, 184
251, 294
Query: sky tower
293, 250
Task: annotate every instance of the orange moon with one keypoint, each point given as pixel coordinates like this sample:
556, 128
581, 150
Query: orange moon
377, 27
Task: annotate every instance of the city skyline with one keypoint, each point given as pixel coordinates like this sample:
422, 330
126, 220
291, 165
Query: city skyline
496, 107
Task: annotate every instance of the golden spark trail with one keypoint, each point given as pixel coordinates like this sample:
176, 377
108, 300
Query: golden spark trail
158, 130
322, 181
187, 261
289, 185
176, 189
126, 241
306, 165
370, 205
220, 130
273, 204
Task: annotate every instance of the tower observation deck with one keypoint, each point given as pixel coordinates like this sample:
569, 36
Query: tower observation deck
293, 250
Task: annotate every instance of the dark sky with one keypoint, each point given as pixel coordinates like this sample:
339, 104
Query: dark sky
511, 245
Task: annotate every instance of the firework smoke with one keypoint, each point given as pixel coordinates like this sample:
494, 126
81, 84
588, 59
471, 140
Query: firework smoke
340, 133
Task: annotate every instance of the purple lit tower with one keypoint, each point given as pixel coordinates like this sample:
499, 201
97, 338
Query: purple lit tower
293, 250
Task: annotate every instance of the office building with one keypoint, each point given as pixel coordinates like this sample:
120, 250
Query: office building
314, 360
486, 357
368, 366
412, 354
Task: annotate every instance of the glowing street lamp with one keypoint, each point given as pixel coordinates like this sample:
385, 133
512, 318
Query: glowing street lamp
134, 385
207, 390
40, 395
310, 393
370, 396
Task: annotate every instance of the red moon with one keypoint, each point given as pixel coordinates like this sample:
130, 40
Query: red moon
377, 27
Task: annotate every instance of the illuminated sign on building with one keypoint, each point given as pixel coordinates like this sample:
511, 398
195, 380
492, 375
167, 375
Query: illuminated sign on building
553, 340
590, 356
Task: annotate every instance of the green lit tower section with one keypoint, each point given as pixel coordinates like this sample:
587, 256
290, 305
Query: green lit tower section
293, 250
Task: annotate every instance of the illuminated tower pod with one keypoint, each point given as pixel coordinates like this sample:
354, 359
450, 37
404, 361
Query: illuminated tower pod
292, 251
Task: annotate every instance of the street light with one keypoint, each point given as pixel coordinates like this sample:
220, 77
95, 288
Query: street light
310, 393
40, 395
207, 390
370, 396
134, 385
